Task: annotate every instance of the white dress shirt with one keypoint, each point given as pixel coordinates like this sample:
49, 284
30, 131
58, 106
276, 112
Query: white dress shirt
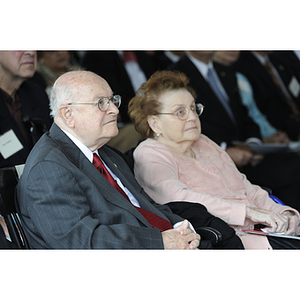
297, 52
203, 69
135, 73
174, 58
89, 154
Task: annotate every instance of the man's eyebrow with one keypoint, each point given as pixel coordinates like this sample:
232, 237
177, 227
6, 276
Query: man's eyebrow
101, 96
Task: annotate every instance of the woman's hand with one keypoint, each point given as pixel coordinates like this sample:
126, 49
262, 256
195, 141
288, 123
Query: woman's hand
277, 222
293, 222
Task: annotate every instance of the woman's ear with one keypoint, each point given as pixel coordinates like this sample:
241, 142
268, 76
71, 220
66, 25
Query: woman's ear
153, 122
66, 115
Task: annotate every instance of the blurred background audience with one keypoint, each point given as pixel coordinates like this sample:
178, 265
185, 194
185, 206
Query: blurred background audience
24, 113
287, 64
273, 98
269, 133
52, 64
163, 59
125, 71
24, 106
226, 121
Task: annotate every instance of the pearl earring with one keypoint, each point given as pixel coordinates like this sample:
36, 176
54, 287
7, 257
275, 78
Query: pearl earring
158, 134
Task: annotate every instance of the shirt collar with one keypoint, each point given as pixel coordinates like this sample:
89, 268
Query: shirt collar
6, 96
297, 53
201, 66
84, 149
262, 59
174, 58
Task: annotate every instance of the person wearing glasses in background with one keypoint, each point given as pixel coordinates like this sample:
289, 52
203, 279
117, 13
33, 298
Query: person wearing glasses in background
176, 163
66, 203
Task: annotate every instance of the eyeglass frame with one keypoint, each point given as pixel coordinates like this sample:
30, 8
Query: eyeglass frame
188, 111
108, 100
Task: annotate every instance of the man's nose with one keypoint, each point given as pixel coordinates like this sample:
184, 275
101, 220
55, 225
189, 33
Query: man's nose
112, 109
30, 53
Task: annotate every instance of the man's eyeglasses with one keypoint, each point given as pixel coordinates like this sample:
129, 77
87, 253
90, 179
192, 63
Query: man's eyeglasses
103, 102
183, 113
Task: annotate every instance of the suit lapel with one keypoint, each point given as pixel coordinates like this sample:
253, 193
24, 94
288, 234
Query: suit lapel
122, 171
228, 80
204, 91
75, 156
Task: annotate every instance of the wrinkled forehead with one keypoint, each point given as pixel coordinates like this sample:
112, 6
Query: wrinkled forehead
87, 84
182, 96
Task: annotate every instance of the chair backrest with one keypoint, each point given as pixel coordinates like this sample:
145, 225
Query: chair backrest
9, 178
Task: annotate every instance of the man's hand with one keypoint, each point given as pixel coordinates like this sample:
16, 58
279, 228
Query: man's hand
278, 138
240, 157
256, 159
182, 237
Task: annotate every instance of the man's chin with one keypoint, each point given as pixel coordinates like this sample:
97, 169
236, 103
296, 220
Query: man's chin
114, 134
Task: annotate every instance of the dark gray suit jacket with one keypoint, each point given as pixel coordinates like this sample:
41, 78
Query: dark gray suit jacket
64, 201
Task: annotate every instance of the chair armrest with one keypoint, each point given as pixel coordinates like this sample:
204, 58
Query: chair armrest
208, 233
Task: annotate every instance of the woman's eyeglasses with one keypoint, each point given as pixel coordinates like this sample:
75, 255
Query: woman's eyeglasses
103, 102
183, 113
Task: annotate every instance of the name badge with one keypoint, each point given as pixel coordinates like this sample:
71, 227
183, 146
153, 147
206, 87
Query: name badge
294, 87
9, 144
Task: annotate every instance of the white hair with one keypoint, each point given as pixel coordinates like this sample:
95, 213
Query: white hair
61, 93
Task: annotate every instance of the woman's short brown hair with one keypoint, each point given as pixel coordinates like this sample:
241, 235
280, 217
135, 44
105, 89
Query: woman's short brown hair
146, 103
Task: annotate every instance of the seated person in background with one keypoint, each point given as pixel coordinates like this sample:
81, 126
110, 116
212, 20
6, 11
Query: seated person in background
272, 98
125, 71
64, 202
287, 65
163, 59
226, 120
52, 64
24, 106
177, 162
269, 133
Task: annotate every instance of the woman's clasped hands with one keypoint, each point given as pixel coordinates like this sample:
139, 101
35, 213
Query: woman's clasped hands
285, 222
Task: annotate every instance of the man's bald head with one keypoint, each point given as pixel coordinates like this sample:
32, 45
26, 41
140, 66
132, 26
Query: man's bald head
73, 86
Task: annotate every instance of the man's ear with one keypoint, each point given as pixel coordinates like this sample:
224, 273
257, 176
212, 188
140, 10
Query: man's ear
153, 122
66, 114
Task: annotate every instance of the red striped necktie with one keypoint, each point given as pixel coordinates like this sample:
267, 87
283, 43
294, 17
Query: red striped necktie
155, 220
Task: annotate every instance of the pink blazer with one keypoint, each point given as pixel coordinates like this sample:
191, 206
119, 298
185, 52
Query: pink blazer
211, 179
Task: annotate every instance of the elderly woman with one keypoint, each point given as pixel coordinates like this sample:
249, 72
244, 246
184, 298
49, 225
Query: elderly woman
176, 162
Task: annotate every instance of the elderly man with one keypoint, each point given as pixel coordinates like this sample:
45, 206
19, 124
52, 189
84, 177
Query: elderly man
24, 107
65, 202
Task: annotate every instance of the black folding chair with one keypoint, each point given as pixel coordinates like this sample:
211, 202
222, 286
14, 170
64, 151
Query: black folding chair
8, 180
